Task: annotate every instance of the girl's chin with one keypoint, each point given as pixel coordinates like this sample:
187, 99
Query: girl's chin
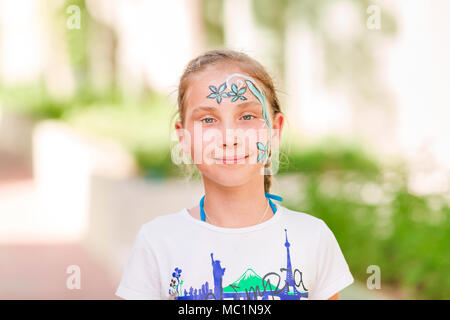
230, 167
231, 175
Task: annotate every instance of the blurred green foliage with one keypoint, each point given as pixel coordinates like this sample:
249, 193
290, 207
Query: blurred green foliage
406, 235
77, 39
36, 102
213, 22
326, 155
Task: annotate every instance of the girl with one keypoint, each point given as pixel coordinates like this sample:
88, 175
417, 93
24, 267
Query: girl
237, 243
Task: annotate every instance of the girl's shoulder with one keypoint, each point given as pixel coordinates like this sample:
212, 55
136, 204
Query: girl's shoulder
164, 221
159, 228
304, 218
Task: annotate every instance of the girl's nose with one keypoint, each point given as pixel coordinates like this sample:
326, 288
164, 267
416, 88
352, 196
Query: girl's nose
230, 140
227, 130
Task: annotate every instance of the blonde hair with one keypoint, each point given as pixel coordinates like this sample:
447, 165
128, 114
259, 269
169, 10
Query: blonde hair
252, 67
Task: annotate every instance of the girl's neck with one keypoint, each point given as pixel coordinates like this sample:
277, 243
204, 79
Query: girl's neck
236, 207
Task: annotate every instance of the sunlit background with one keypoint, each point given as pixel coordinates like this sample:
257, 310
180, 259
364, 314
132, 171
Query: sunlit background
87, 93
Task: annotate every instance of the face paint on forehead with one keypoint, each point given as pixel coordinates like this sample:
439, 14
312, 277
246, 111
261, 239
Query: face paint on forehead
238, 89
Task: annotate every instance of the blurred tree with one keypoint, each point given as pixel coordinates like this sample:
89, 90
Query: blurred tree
316, 15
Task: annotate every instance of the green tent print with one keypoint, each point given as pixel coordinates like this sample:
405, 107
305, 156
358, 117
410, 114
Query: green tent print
250, 280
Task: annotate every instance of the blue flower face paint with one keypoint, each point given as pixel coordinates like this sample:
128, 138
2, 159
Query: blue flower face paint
237, 93
218, 93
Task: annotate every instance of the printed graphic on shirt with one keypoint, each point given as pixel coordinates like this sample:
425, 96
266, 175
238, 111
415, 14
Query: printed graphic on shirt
249, 286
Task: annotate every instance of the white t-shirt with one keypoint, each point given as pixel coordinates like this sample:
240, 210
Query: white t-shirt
293, 255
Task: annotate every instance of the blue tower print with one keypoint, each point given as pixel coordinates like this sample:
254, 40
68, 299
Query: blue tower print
249, 286
290, 291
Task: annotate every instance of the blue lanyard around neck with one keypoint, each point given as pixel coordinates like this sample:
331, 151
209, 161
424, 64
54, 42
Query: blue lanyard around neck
268, 196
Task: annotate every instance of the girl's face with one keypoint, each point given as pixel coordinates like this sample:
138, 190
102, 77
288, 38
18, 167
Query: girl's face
228, 127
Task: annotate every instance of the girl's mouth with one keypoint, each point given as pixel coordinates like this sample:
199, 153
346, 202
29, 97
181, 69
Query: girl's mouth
234, 160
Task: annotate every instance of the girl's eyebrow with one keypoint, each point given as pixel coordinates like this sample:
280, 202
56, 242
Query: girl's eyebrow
203, 108
247, 103
213, 109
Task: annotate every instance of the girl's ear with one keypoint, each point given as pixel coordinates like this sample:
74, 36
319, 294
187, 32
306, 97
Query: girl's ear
183, 136
179, 129
277, 127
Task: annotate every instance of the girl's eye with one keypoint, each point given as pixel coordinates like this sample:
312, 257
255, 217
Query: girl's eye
248, 115
203, 120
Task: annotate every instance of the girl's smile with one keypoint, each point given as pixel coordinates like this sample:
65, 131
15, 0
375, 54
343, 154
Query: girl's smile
233, 160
